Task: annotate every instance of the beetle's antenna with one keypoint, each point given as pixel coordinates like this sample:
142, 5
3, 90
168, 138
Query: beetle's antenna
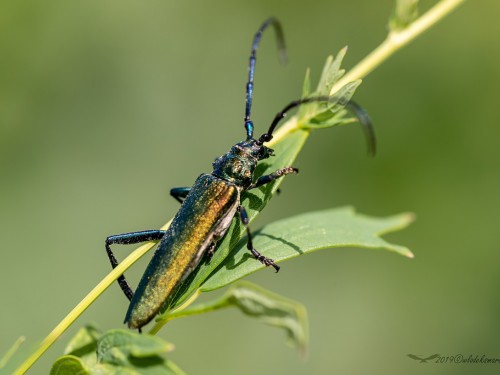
366, 125
355, 108
266, 137
251, 67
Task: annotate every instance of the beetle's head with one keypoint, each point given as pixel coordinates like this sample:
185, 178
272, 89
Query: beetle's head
254, 148
239, 163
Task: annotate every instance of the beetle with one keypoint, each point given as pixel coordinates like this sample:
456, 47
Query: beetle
209, 206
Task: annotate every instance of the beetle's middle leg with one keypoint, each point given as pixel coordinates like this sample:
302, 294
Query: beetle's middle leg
126, 239
180, 193
262, 180
261, 258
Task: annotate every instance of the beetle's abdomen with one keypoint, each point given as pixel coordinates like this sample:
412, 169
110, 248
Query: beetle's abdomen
209, 201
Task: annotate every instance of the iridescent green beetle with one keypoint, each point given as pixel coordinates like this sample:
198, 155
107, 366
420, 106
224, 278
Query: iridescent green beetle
208, 208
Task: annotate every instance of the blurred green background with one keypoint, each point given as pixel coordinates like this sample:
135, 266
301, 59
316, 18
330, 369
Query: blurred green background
106, 105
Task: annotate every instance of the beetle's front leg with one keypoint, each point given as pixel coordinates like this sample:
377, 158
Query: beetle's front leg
261, 258
262, 180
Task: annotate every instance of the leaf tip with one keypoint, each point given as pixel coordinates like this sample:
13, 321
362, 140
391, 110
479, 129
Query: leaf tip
409, 217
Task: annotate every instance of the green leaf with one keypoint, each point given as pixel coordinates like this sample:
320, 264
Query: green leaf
115, 352
261, 304
302, 234
332, 113
405, 12
274, 310
118, 346
331, 73
324, 114
84, 344
338, 119
69, 365
130, 351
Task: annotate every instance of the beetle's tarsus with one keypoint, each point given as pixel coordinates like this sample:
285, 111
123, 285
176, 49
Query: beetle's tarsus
261, 258
269, 262
210, 251
262, 180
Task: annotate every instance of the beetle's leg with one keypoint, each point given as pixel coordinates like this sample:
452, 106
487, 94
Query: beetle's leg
211, 250
180, 193
126, 239
261, 258
273, 176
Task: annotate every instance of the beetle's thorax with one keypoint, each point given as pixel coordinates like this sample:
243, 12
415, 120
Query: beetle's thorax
238, 165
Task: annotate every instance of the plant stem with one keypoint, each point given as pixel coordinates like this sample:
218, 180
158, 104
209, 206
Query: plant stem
161, 323
182, 311
84, 304
396, 40
11, 351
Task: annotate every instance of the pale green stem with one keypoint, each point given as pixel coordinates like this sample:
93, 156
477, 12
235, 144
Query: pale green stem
84, 304
13, 349
180, 312
161, 323
395, 40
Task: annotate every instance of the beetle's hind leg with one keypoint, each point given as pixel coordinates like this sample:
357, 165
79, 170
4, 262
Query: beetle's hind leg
129, 239
261, 258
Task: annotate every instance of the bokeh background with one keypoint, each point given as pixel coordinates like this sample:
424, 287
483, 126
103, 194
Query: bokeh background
106, 105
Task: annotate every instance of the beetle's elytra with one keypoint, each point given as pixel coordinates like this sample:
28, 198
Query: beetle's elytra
207, 209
